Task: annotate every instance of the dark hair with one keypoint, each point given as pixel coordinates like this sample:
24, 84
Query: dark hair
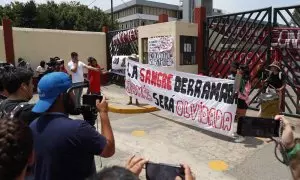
114, 173
74, 54
235, 64
42, 64
1, 79
20, 59
16, 145
14, 77
246, 71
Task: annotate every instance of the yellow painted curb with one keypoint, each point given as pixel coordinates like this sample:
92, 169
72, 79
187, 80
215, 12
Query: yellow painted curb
131, 109
218, 165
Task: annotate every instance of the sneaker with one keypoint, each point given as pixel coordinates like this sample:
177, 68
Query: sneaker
239, 139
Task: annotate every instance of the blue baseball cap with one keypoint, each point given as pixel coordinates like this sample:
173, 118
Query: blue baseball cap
49, 88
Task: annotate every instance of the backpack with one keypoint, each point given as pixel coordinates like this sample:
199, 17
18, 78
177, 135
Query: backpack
14, 113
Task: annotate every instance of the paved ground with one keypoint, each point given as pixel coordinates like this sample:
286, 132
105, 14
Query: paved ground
159, 137
166, 140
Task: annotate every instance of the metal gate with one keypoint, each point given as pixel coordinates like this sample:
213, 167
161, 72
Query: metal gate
120, 42
286, 45
250, 38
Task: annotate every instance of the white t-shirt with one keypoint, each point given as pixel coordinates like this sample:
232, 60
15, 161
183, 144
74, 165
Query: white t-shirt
78, 76
40, 70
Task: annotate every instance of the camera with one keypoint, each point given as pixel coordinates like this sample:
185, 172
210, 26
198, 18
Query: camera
88, 108
54, 64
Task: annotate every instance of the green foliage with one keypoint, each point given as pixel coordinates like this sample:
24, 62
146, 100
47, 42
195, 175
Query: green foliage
66, 16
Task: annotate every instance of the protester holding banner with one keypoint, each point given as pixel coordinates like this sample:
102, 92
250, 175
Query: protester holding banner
200, 101
233, 70
243, 94
135, 58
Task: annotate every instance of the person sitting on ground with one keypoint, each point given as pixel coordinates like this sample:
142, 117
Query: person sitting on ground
41, 69
65, 148
18, 83
16, 149
131, 171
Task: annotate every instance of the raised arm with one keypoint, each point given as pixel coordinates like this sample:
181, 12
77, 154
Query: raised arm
106, 129
91, 68
74, 68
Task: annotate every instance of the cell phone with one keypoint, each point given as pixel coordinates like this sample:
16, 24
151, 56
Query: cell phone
160, 171
258, 127
90, 99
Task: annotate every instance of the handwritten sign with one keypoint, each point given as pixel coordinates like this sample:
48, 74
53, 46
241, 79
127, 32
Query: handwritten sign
201, 101
160, 51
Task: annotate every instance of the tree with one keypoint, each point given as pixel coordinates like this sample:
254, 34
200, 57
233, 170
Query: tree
66, 16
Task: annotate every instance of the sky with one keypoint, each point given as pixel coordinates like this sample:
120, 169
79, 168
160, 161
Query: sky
229, 6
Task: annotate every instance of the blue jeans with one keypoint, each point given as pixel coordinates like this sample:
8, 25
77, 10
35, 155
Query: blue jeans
78, 93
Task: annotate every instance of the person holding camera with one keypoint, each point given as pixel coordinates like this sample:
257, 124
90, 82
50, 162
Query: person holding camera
76, 68
64, 147
18, 83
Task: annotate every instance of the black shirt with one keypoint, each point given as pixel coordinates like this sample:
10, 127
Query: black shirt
24, 113
65, 148
2, 97
276, 80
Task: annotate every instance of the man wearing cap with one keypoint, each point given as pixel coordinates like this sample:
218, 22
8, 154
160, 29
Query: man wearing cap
276, 78
65, 148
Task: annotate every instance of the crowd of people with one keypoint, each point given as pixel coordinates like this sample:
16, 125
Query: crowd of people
39, 141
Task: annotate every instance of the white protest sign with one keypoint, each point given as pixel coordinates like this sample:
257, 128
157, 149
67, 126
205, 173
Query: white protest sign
119, 65
160, 51
201, 101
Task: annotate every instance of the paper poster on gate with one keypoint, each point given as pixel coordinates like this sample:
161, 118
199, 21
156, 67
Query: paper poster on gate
160, 51
119, 65
201, 101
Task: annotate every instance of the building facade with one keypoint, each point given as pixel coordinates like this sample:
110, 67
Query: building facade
142, 12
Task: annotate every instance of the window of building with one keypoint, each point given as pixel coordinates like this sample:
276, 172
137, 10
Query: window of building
188, 46
145, 50
139, 9
180, 15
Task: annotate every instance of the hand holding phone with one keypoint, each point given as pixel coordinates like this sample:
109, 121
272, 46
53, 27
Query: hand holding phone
159, 171
258, 127
135, 165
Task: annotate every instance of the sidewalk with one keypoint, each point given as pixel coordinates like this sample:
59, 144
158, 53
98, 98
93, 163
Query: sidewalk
118, 100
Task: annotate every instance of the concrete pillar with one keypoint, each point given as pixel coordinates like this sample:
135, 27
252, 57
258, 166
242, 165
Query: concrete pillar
163, 18
8, 40
104, 77
105, 29
200, 18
